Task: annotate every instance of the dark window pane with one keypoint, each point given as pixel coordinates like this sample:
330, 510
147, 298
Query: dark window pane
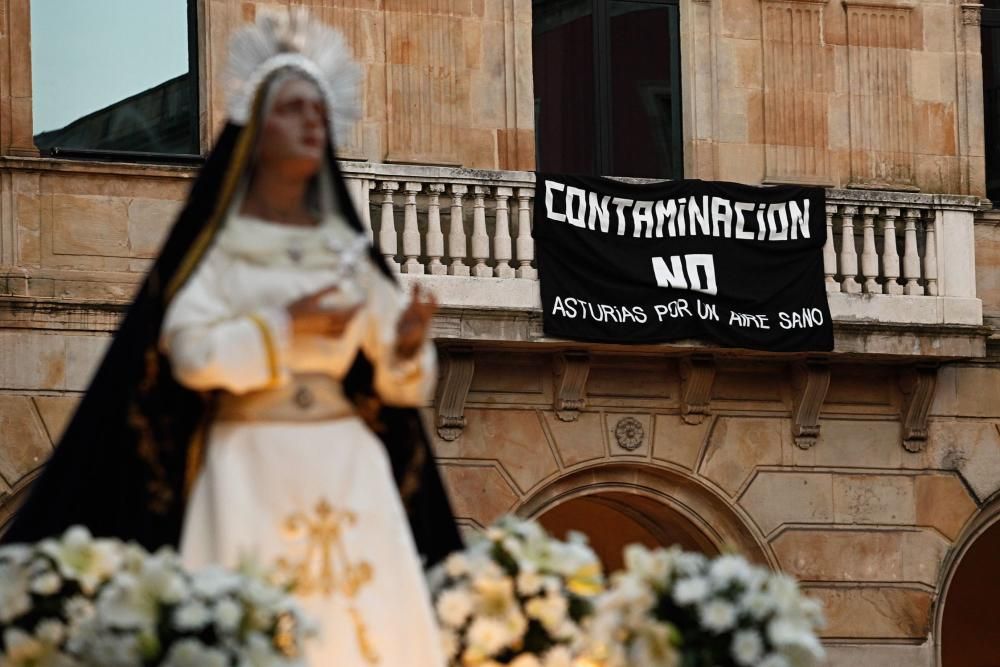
991, 99
564, 85
643, 95
114, 75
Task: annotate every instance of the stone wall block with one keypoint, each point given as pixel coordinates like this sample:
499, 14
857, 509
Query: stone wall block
737, 446
578, 441
56, 412
477, 492
776, 498
874, 499
678, 442
514, 438
874, 612
24, 444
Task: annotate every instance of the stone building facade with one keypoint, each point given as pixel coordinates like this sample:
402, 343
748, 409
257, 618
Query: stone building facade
871, 473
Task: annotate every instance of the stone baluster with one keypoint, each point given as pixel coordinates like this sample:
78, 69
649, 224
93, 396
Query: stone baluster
480, 240
848, 255
829, 253
435, 239
387, 230
525, 244
890, 257
456, 232
911, 260
411, 232
930, 254
869, 257
358, 189
501, 235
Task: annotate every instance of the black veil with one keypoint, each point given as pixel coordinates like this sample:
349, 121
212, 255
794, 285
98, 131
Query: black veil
131, 450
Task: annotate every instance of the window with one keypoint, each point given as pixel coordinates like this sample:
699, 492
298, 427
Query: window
115, 79
607, 87
991, 97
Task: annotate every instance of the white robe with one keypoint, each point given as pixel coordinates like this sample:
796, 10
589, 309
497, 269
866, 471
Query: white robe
317, 495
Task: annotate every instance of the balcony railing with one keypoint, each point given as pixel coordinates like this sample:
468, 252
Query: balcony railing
891, 258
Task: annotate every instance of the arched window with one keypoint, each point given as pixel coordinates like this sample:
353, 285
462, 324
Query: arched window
607, 87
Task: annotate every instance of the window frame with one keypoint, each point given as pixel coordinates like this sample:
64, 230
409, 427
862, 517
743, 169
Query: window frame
152, 158
603, 83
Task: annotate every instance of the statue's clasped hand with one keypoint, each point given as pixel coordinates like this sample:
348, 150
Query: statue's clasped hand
414, 323
310, 317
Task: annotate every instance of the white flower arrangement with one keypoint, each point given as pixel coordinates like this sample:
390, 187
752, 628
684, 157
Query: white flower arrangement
83, 602
670, 608
515, 597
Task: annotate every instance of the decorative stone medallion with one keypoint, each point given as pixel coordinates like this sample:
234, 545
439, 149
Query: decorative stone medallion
629, 433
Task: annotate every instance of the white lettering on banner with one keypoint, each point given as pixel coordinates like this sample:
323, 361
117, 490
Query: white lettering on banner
689, 276
692, 216
599, 312
804, 319
551, 186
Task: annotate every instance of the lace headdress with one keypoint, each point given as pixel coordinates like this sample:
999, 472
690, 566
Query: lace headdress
294, 40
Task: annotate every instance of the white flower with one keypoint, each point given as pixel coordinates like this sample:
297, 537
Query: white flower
191, 616
773, 660
454, 606
526, 660
747, 648
496, 594
14, 597
729, 569
717, 616
456, 565
78, 609
82, 558
795, 639
192, 653
558, 656
758, 604
22, 648
51, 631
690, 591
488, 635
228, 615
549, 610
46, 584
528, 583
214, 582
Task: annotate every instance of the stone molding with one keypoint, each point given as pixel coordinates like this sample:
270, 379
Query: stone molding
697, 377
572, 369
917, 384
972, 13
460, 366
811, 380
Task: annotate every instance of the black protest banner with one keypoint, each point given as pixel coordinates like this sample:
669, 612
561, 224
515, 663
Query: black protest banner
646, 263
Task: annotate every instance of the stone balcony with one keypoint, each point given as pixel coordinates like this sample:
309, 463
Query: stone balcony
900, 267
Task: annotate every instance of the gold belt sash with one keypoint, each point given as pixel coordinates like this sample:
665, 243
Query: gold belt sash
308, 397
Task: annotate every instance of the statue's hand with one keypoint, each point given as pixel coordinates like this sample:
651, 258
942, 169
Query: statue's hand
309, 317
414, 323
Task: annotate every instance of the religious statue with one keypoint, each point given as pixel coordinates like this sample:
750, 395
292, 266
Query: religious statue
259, 398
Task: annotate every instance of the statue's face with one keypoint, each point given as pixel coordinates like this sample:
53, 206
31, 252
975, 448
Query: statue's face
294, 131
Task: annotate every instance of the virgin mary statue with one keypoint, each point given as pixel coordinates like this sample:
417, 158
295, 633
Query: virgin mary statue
258, 400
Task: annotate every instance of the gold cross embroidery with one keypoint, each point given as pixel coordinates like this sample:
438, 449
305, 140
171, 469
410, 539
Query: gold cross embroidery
325, 568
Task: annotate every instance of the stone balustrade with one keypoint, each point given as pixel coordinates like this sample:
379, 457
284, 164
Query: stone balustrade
891, 258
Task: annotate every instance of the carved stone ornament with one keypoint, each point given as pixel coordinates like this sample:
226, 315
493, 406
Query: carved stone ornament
459, 369
629, 433
918, 391
697, 377
811, 381
972, 13
572, 369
